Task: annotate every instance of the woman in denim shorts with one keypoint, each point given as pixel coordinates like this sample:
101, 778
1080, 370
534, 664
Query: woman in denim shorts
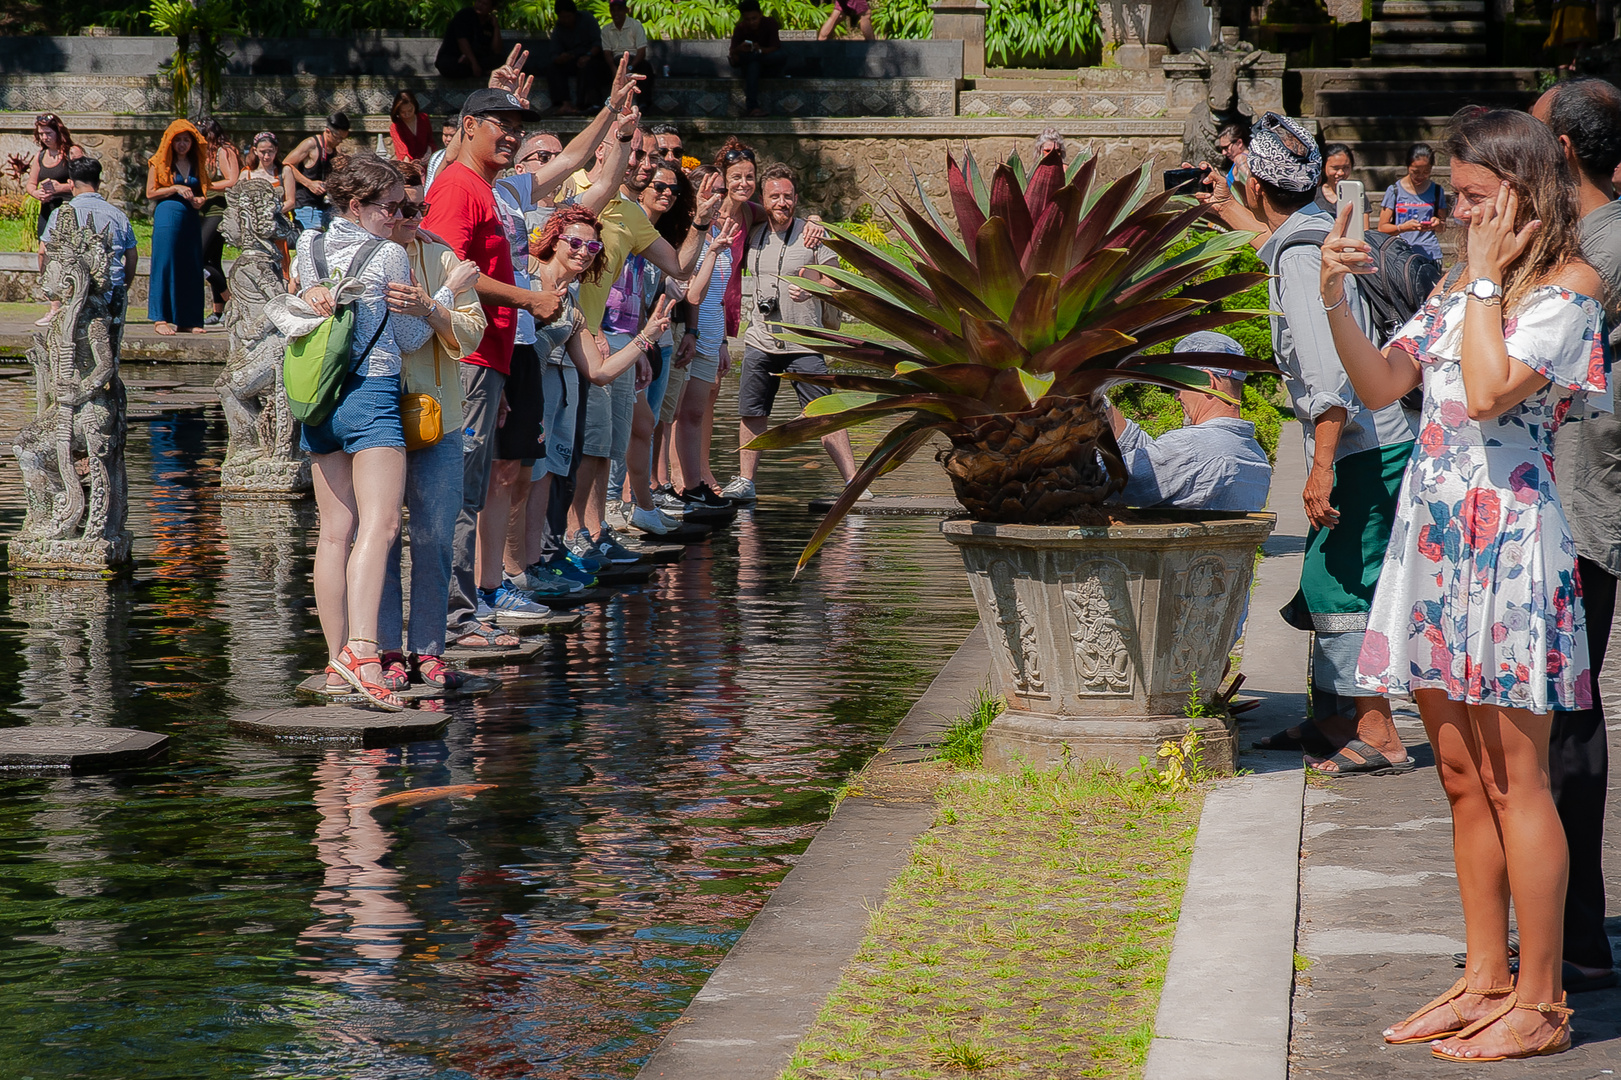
358, 453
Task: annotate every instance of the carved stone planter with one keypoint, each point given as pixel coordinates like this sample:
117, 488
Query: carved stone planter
1098, 632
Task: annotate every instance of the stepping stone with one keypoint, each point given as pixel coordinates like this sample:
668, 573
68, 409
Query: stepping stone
920, 505
153, 384
574, 600
343, 724
557, 622
473, 686
487, 656
653, 550
78, 748
632, 574
690, 532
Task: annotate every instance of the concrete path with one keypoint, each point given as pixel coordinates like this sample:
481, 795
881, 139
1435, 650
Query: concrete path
746, 1021
1224, 1012
141, 342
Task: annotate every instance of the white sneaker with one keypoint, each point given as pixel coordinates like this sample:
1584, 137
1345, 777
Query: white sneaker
651, 521
618, 514
739, 490
865, 496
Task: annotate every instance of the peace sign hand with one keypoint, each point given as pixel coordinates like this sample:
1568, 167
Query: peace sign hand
1494, 245
708, 199
658, 320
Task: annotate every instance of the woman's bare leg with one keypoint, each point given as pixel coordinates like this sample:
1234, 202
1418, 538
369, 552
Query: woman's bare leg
690, 431
335, 503
540, 500
379, 489
1477, 849
707, 431
639, 455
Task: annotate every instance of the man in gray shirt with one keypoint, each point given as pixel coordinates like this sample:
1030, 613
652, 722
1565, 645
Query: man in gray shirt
1357, 457
776, 258
1585, 113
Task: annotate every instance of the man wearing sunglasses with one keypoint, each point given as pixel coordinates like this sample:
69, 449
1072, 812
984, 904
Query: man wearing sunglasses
667, 145
464, 215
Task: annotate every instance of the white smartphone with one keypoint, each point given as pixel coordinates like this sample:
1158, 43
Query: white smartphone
1351, 191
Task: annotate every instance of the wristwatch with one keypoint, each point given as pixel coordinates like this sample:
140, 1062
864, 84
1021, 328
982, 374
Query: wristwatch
1486, 290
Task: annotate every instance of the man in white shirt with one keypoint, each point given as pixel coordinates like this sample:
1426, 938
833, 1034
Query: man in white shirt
623, 34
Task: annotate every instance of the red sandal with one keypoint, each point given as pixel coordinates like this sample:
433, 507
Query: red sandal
395, 677
348, 665
433, 671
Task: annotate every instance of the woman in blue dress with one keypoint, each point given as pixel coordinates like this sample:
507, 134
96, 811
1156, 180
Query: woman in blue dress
180, 188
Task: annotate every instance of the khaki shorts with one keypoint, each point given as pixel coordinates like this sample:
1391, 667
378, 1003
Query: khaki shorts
704, 368
672, 393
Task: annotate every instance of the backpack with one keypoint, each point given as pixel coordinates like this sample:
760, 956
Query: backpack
314, 366
1405, 278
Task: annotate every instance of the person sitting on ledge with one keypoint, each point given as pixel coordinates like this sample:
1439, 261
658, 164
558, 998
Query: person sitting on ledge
756, 51
1214, 463
578, 41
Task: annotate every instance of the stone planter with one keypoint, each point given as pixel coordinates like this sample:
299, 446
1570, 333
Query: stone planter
1098, 632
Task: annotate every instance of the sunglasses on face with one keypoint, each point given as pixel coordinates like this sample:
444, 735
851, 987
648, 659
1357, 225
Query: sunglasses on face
514, 131
670, 153
410, 209
542, 156
661, 187
390, 208
575, 244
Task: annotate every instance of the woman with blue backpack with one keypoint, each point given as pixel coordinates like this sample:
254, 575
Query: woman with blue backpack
357, 449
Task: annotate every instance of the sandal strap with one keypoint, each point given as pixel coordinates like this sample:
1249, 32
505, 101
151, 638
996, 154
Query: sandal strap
1548, 1008
1459, 988
1490, 1018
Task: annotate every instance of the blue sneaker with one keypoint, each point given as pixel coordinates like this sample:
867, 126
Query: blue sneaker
571, 569
482, 609
510, 605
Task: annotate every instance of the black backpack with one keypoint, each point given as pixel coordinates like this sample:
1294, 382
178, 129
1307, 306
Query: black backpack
1406, 277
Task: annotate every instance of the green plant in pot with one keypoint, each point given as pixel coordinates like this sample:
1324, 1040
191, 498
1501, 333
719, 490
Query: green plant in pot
1004, 333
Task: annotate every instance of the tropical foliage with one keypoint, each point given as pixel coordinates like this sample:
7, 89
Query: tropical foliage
1017, 31
199, 59
1004, 332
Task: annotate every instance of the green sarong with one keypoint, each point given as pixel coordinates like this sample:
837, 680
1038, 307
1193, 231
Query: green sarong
1342, 564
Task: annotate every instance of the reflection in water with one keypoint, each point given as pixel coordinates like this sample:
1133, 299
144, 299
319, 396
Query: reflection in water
227, 911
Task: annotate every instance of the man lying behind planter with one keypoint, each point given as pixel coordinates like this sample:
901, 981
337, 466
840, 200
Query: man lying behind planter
1213, 463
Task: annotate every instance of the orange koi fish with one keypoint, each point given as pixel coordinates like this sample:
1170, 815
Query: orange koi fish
416, 796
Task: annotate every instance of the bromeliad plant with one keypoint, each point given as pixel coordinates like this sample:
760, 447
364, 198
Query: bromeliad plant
1004, 334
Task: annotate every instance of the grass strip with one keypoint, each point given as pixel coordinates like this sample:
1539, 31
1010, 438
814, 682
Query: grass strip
1027, 938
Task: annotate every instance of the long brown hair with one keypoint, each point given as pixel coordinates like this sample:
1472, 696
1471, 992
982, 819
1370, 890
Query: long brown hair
64, 137
363, 176
1518, 148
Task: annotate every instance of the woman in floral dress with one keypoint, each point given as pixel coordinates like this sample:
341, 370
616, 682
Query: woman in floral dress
1478, 614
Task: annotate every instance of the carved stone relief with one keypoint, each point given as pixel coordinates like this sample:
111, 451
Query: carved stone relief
1201, 595
1018, 630
1099, 602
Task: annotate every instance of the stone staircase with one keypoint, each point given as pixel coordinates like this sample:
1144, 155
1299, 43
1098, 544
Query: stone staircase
1380, 112
1438, 31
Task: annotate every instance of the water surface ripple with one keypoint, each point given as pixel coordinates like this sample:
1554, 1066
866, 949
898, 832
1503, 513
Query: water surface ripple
231, 911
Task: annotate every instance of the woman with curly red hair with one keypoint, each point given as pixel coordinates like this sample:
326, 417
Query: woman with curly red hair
176, 181
569, 250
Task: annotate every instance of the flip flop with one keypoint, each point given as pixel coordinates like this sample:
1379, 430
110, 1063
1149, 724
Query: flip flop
1577, 983
1310, 741
492, 638
1373, 764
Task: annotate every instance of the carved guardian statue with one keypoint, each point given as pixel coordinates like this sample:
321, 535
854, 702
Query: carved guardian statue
262, 458
72, 454
1225, 64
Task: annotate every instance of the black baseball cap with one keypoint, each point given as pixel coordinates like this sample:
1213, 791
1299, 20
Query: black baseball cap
483, 102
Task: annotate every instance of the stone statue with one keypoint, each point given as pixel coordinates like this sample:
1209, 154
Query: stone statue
1224, 64
262, 458
72, 454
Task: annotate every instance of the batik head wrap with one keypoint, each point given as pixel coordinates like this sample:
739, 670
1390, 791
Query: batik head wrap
1284, 154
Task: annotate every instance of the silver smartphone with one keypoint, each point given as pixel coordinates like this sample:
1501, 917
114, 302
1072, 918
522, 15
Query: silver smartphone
1351, 191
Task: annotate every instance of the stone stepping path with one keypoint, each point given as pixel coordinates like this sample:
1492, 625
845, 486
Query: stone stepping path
632, 574
655, 550
558, 622
343, 724
574, 600
487, 656
79, 748
918, 505
473, 686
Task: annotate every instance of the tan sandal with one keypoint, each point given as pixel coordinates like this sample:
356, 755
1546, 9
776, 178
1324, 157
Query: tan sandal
1450, 998
1557, 1043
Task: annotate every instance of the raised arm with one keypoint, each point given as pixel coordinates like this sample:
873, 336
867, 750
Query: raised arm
583, 147
681, 264
604, 370
1220, 204
1378, 378
698, 287
597, 197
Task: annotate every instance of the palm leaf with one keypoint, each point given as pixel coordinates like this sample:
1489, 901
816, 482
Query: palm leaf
934, 213
1008, 206
999, 273
898, 446
969, 216
1033, 322
991, 343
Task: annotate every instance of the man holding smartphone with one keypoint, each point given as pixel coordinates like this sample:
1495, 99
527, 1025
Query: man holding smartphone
756, 51
1357, 457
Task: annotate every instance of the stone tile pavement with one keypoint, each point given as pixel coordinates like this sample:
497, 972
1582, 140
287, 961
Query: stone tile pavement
1379, 916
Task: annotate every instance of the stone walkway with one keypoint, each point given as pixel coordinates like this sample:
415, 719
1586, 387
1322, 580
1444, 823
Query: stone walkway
141, 342
1379, 913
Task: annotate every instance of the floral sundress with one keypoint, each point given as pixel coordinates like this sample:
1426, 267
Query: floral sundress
1478, 595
